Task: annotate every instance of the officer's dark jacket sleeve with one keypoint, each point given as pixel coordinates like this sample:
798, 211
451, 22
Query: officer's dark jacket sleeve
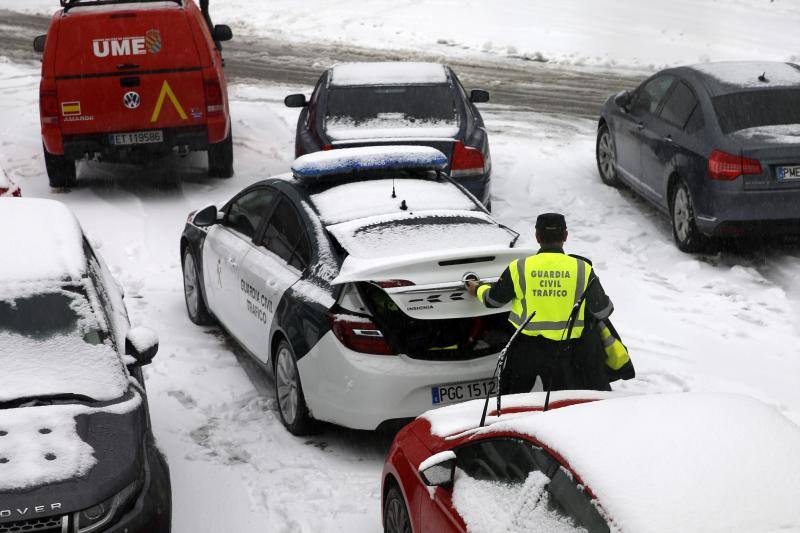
598, 304
499, 293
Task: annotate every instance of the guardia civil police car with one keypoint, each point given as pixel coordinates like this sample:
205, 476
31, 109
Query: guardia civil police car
344, 278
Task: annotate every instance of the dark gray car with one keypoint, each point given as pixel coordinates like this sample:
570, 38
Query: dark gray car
716, 145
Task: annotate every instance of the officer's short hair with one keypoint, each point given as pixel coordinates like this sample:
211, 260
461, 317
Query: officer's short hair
551, 227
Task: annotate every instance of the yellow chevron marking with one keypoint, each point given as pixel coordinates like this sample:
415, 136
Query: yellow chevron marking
166, 91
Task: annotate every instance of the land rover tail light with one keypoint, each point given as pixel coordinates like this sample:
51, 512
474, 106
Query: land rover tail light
359, 336
727, 167
48, 107
214, 103
467, 161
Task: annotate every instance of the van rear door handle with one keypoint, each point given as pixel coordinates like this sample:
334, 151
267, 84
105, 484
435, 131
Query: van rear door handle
131, 81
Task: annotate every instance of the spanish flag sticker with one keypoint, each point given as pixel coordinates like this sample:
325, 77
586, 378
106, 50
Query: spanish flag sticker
70, 108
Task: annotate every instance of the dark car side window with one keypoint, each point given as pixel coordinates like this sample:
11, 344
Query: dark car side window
679, 105
286, 237
245, 213
649, 96
696, 121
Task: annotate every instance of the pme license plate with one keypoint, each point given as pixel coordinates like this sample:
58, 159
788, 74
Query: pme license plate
789, 173
136, 137
461, 392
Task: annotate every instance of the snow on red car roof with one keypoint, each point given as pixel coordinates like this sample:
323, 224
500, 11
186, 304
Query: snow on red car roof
40, 240
689, 462
387, 73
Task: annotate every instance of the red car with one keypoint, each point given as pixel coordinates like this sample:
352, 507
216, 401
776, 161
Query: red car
596, 462
8, 187
132, 80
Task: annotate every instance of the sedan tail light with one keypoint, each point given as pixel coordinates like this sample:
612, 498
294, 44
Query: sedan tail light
727, 167
360, 336
467, 161
48, 107
214, 102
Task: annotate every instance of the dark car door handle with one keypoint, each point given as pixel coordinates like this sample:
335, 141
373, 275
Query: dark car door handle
668, 138
640, 125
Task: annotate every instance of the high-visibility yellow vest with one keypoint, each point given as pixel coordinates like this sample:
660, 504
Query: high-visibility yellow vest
550, 284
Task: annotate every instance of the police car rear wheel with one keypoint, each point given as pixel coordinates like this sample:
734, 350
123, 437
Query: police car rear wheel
289, 393
192, 291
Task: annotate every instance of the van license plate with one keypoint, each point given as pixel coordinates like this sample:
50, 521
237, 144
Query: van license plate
137, 137
461, 392
789, 173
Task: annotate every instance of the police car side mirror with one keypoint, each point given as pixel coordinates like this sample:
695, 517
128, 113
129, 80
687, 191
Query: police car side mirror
295, 100
39, 42
623, 100
478, 96
222, 33
142, 344
438, 469
206, 217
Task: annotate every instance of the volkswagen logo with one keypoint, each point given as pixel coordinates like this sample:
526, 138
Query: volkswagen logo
131, 100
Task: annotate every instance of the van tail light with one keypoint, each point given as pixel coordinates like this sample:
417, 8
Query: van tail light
48, 107
467, 161
727, 167
214, 102
359, 335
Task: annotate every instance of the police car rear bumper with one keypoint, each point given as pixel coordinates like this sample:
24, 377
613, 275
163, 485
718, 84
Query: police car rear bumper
78, 146
361, 391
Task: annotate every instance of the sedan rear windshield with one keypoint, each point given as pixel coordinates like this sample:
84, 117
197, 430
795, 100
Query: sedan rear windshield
410, 104
753, 109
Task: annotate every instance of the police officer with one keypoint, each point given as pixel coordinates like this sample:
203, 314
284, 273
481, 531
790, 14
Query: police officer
550, 283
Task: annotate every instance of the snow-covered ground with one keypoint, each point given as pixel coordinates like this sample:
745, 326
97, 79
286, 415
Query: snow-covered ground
726, 322
607, 33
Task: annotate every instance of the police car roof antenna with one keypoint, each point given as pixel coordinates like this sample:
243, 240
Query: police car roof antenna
573, 316
498, 370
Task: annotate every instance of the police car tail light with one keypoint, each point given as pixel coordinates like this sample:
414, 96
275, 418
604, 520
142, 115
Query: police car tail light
214, 103
467, 161
360, 336
727, 167
48, 107
394, 283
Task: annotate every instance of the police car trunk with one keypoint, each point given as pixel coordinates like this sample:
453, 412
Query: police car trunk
130, 76
406, 242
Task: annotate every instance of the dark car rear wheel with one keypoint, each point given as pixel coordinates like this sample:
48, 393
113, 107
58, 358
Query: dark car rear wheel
289, 396
220, 158
606, 156
395, 513
61, 171
684, 229
193, 291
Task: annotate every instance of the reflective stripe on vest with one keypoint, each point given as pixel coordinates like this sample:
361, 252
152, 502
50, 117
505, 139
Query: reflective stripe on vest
616, 353
550, 284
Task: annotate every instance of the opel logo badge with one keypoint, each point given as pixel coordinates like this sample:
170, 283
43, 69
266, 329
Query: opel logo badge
131, 100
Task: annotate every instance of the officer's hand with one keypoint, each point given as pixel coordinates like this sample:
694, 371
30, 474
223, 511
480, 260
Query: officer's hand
472, 287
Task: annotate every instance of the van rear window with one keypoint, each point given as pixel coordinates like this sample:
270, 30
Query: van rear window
752, 109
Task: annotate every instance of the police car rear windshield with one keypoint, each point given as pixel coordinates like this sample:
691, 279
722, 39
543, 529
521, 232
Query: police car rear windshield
399, 104
753, 109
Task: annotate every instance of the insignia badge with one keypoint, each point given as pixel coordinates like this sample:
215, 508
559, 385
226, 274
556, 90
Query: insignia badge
131, 100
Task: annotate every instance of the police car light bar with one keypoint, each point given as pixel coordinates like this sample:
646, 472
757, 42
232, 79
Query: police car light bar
345, 161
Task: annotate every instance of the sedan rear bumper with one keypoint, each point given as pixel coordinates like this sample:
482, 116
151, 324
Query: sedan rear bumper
361, 391
736, 212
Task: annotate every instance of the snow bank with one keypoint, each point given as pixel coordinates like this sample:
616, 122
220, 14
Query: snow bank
394, 127
352, 201
40, 445
348, 160
746, 73
46, 240
387, 73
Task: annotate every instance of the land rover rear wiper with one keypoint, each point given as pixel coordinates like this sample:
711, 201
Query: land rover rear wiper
33, 401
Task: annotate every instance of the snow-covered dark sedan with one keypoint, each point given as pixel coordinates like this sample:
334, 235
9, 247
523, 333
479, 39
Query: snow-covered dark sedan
368, 104
345, 279
596, 462
715, 145
77, 454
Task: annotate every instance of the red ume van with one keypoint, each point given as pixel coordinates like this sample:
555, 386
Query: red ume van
129, 80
